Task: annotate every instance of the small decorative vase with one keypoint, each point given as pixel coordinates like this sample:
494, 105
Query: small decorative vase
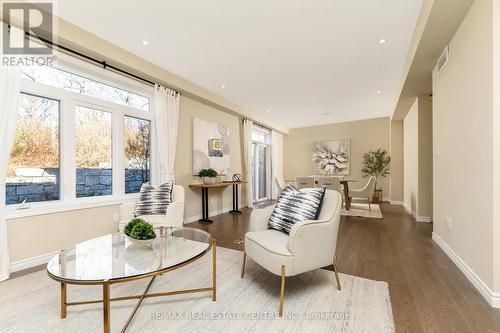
208, 180
142, 242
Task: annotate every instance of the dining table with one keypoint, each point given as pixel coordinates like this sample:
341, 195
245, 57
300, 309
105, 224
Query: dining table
345, 185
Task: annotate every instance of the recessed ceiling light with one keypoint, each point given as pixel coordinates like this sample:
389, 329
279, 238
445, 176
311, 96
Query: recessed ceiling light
379, 91
268, 111
382, 41
145, 42
223, 86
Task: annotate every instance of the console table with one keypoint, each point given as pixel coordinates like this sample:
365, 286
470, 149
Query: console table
204, 197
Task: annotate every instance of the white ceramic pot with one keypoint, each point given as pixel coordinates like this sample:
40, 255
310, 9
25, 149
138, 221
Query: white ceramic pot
209, 180
140, 241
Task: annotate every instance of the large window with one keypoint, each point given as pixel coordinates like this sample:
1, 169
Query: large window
93, 144
78, 84
81, 133
137, 153
33, 173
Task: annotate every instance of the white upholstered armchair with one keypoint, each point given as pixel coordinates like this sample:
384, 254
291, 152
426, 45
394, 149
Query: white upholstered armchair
174, 216
310, 245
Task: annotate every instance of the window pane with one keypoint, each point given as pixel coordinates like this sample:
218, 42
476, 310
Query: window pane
93, 152
261, 135
81, 85
33, 173
137, 153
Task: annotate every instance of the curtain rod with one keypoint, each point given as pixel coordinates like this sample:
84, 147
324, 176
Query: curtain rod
103, 63
257, 124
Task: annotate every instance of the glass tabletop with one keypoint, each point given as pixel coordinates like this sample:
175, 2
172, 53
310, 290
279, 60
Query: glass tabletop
115, 256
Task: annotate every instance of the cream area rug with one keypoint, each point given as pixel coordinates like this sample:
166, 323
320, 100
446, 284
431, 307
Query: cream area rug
30, 303
362, 210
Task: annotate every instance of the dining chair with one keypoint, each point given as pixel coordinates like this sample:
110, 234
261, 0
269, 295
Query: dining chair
304, 182
331, 183
365, 192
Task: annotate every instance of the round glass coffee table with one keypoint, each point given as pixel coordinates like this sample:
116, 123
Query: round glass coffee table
114, 258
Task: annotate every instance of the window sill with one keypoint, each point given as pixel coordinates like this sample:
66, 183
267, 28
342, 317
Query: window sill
60, 206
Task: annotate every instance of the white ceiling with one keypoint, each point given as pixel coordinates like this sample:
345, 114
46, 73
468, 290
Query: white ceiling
307, 62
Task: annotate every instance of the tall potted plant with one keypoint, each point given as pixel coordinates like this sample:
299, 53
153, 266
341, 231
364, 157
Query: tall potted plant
376, 163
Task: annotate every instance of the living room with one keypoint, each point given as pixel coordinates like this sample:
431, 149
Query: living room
247, 166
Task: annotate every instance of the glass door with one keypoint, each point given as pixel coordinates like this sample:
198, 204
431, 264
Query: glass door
260, 172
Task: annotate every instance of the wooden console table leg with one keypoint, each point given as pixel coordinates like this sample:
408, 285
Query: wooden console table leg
204, 206
64, 300
235, 200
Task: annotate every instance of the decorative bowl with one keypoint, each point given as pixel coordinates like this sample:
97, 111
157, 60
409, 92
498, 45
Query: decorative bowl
209, 180
143, 242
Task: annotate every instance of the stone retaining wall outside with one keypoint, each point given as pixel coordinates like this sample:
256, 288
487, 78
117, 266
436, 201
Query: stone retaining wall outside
89, 182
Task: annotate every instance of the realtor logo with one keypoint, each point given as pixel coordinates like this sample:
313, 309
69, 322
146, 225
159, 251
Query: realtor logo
22, 27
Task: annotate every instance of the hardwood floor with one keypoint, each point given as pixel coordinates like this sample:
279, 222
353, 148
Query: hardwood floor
428, 292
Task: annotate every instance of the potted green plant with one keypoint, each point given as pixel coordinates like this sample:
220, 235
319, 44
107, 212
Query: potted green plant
208, 175
376, 163
140, 232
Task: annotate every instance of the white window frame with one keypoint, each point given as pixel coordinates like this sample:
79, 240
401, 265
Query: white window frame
267, 145
67, 156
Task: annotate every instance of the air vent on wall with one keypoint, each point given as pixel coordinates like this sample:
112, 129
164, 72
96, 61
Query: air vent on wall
443, 60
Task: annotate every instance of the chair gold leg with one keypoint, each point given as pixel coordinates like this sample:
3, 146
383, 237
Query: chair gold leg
369, 204
243, 265
282, 295
336, 272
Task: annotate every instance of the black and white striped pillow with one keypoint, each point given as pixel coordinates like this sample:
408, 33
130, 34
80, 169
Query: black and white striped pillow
296, 205
154, 200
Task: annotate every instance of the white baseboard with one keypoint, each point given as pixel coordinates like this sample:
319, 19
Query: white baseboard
397, 203
210, 214
31, 262
491, 297
418, 218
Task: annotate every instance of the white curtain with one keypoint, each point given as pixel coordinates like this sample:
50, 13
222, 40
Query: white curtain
9, 104
166, 121
247, 156
274, 164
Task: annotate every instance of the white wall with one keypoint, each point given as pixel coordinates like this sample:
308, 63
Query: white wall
418, 159
397, 161
463, 144
410, 163
365, 135
425, 173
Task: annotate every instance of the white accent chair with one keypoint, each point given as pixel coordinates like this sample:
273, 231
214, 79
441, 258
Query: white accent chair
365, 192
280, 183
174, 216
304, 182
310, 245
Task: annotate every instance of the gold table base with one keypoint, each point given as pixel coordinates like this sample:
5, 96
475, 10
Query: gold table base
106, 299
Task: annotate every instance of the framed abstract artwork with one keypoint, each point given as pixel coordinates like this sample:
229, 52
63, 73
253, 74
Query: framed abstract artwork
332, 157
210, 146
